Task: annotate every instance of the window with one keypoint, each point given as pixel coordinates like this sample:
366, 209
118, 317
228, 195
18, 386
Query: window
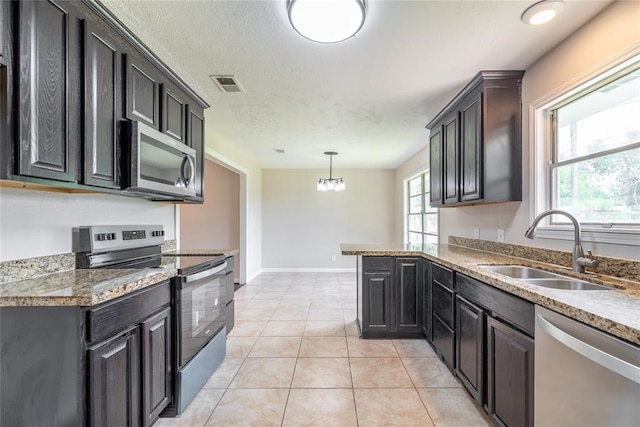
595, 170
422, 220
588, 150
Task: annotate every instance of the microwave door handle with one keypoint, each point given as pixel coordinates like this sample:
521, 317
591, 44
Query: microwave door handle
192, 170
206, 273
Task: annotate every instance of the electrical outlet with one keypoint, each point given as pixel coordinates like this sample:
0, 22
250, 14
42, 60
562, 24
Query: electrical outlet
476, 233
333, 257
500, 235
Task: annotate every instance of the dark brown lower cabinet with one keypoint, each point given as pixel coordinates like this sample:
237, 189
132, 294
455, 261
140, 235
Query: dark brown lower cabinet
509, 375
156, 366
114, 381
470, 345
390, 297
426, 298
376, 295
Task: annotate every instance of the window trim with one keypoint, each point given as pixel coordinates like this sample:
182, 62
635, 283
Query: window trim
424, 174
541, 153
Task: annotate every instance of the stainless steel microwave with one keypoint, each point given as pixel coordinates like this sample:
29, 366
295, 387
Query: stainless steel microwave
158, 166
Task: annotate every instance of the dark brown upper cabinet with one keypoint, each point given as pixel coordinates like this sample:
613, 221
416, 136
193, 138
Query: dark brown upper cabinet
174, 114
196, 141
476, 143
103, 108
48, 90
143, 91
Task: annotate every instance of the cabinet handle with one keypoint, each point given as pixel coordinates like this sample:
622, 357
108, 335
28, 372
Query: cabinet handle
604, 359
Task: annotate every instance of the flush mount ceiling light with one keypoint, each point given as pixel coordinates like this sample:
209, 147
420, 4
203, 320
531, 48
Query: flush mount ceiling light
326, 21
331, 183
542, 12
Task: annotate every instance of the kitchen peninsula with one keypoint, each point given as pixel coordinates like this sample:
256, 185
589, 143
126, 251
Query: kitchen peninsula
484, 306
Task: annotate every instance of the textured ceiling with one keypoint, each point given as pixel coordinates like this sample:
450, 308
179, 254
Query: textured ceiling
367, 98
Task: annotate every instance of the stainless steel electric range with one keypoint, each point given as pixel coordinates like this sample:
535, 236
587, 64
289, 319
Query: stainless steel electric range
200, 296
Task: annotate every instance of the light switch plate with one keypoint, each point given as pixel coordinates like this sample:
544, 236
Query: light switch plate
476, 233
500, 235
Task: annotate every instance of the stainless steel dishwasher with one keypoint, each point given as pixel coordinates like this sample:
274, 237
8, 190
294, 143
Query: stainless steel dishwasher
583, 376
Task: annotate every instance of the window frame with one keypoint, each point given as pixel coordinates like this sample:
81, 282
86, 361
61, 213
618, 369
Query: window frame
425, 210
542, 155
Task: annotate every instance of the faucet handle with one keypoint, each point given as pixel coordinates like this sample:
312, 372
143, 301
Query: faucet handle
590, 255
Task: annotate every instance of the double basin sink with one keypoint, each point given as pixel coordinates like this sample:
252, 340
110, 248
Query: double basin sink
547, 279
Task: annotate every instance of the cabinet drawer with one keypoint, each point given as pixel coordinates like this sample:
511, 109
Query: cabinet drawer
442, 303
117, 315
509, 307
376, 263
444, 341
442, 275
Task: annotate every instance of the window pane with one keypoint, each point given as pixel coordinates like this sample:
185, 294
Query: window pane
604, 119
428, 238
415, 223
431, 223
605, 189
415, 204
415, 238
415, 186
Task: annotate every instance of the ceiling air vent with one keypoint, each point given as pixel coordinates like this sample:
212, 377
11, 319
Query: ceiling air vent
227, 83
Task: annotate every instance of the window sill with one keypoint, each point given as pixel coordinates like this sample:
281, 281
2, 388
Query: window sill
629, 237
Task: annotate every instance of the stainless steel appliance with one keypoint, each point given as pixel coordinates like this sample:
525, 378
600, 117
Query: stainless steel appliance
583, 376
156, 164
199, 298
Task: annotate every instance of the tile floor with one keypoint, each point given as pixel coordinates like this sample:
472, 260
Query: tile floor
294, 359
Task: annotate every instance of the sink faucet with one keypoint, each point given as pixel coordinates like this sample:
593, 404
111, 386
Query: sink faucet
580, 261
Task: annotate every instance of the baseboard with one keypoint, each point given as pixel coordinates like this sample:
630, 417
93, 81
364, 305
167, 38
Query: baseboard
308, 270
254, 275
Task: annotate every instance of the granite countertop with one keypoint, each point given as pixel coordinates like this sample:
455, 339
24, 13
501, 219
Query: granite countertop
53, 281
81, 287
615, 311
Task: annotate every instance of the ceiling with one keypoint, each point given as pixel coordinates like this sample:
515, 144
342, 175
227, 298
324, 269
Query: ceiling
367, 98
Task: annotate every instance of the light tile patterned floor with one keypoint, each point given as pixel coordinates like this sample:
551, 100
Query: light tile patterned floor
294, 359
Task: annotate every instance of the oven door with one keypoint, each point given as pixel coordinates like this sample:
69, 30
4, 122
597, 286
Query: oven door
201, 309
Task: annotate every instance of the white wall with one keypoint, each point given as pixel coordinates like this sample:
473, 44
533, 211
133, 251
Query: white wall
303, 228
613, 31
39, 223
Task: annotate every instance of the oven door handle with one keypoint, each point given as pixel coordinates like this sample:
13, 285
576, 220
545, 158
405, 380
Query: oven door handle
206, 273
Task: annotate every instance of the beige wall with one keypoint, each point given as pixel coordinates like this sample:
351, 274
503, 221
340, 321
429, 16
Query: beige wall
303, 228
216, 222
614, 31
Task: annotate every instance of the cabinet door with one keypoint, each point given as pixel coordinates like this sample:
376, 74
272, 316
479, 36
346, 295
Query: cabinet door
469, 348
451, 152
426, 298
435, 166
114, 382
471, 148
156, 365
103, 83
196, 141
174, 114
408, 304
48, 108
376, 305
143, 92
509, 375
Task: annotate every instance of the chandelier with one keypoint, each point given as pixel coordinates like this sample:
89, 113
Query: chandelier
331, 183
326, 21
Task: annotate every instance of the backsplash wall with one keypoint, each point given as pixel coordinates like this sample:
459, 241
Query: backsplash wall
39, 223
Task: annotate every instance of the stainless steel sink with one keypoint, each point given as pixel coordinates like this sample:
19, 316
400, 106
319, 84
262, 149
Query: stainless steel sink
519, 271
537, 277
568, 284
